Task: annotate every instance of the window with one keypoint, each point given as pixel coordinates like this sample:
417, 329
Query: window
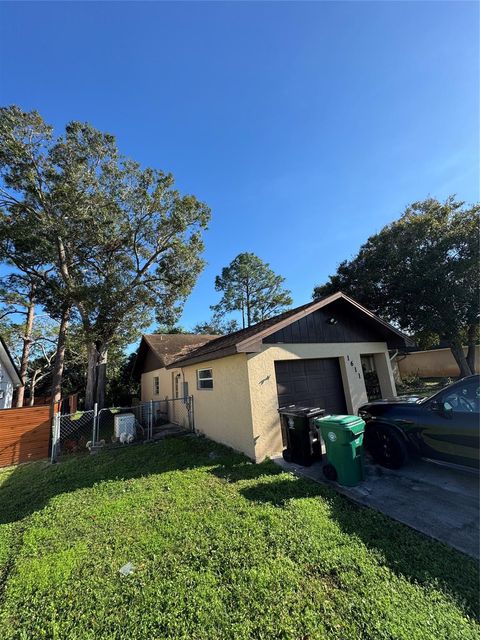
177, 385
204, 379
156, 386
463, 398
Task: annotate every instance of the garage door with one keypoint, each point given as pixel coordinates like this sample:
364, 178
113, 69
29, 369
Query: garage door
316, 383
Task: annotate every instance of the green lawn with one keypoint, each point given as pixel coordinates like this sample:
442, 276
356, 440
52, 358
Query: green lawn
222, 549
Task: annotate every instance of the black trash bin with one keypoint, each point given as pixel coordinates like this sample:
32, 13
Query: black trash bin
299, 434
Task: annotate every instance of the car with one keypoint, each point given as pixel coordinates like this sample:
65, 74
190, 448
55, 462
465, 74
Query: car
444, 427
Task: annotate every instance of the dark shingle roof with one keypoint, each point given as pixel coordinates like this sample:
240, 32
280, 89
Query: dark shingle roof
223, 343
227, 345
168, 347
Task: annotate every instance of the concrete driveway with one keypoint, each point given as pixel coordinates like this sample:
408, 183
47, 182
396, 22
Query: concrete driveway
438, 501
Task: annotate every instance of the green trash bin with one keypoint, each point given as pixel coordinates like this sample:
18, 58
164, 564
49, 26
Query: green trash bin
343, 438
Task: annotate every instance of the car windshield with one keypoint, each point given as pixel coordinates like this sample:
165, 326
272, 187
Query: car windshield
469, 387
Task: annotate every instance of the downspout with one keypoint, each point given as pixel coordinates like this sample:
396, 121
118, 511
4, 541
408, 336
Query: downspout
395, 368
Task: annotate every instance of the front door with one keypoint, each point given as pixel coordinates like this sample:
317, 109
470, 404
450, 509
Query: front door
176, 377
372, 383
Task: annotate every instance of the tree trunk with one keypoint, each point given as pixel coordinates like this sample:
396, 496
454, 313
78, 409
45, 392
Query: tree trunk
101, 375
459, 355
27, 343
33, 384
90, 390
471, 343
59, 360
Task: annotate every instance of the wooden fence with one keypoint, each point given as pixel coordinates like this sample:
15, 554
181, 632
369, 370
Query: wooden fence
24, 434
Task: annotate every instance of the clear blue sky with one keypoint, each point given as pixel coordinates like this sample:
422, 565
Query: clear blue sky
305, 126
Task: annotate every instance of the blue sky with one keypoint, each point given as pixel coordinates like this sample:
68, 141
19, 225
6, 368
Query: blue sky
305, 126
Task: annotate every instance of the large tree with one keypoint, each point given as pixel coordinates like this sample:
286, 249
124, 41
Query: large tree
27, 284
421, 273
251, 287
123, 241
17, 299
216, 326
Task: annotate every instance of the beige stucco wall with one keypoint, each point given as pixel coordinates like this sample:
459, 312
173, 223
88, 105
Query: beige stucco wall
436, 363
241, 410
263, 385
224, 413
165, 384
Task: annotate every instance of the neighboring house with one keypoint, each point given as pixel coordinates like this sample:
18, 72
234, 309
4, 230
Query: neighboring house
432, 363
9, 376
314, 355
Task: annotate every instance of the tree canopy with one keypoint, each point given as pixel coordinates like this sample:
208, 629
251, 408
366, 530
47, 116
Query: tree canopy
216, 326
251, 287
421, 273
118, 241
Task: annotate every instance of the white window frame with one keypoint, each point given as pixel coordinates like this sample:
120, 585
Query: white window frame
156, 385
204, 379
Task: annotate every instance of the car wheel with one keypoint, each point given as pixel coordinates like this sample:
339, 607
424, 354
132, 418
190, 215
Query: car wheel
386, 446
329, 472
287, 456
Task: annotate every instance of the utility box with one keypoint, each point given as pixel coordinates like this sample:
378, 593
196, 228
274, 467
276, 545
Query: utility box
124, 425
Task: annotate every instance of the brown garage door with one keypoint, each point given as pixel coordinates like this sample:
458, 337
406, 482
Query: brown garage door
316, 383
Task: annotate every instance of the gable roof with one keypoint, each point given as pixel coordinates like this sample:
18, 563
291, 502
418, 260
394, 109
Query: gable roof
8, 362
164, 348
247, 340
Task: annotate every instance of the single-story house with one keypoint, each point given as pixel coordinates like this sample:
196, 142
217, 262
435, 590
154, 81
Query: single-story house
331, 353
155, 353
9, 376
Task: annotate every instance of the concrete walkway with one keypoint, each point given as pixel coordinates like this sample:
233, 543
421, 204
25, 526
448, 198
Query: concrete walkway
440, 502
168, 430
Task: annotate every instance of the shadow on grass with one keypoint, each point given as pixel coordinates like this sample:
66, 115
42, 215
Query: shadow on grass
244, 470
406, 552
29, 487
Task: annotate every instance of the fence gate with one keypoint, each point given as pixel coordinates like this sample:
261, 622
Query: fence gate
76, 432
72, 432
174, 411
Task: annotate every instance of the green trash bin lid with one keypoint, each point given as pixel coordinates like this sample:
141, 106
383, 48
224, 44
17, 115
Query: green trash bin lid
339, 422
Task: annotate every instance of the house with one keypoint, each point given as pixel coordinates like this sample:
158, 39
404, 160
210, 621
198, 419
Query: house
331, 353
155, 353
9, 376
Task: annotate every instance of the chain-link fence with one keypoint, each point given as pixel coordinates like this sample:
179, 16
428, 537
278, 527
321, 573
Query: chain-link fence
92, 430
176, 411
72, 432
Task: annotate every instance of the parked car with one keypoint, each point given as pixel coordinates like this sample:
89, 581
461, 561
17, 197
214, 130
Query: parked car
444, 427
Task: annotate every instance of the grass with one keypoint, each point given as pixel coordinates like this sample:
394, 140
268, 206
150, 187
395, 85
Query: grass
222, 549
